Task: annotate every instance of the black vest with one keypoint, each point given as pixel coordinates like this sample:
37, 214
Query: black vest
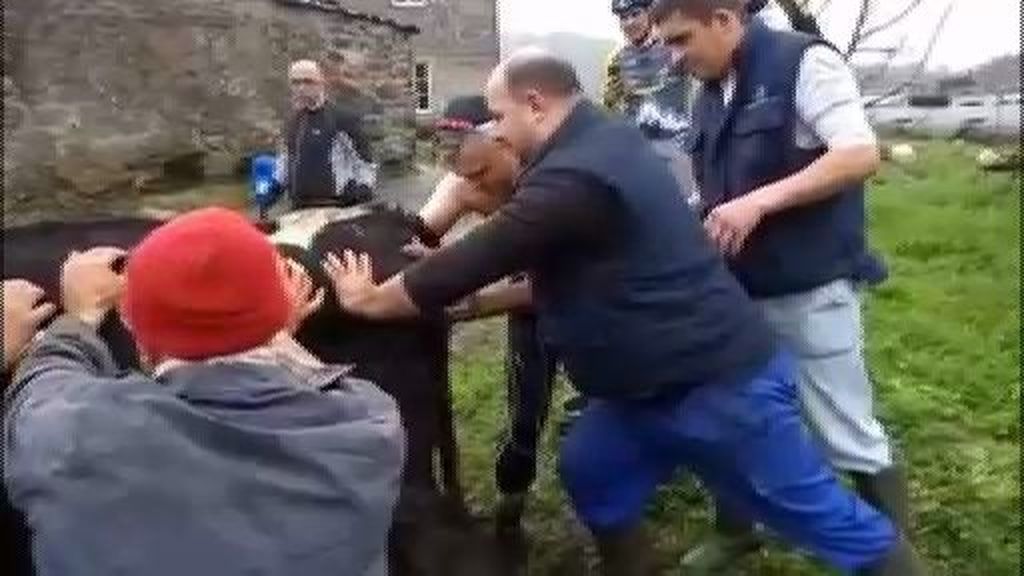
749, 143
654, 310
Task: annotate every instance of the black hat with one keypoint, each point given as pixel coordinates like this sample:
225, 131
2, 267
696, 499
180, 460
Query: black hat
465, 113
623, 6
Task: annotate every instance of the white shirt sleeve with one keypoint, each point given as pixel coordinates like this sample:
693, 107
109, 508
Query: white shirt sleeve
828, 103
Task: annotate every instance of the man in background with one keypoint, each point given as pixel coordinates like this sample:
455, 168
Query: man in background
325, 159
641, 85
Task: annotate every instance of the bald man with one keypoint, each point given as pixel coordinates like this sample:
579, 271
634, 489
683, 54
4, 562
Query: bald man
325, 159
683, 370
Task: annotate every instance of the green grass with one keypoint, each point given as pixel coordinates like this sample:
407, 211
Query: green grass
943, 341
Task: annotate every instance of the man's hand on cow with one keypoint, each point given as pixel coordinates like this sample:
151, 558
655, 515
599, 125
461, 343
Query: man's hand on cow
24, 312
302, 298
89, 286
417, 250
730, 224
352, 277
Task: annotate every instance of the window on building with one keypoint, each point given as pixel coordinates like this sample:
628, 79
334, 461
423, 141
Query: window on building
422, 84
408, 3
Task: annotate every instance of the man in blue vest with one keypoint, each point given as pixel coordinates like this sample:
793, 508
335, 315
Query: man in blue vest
680, 367
781, 150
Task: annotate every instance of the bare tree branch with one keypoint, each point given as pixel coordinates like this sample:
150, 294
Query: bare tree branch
858, 29
890, 50
799, 18
910, 7
920, 65
821, 9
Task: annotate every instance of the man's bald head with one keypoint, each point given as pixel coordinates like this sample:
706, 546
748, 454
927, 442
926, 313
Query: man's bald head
530, 94
308, 89
305, 69
536, 69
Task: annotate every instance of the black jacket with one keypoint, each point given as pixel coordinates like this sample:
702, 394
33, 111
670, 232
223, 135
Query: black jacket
327, 159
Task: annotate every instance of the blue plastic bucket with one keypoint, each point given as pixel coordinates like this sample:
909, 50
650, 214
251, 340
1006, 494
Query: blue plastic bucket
261, 178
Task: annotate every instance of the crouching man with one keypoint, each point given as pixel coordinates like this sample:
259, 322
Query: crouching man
239, 453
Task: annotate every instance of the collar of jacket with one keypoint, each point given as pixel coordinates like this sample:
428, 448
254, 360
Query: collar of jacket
582, 115
281, 352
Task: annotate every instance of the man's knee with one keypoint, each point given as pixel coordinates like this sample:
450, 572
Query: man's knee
607, 477
838, 409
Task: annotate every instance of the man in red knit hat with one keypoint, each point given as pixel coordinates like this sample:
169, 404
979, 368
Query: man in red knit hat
238, 454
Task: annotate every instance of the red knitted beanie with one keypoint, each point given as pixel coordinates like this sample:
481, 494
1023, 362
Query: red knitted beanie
205, 284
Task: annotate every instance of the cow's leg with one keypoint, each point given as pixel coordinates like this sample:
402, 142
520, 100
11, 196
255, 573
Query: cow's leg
447, 441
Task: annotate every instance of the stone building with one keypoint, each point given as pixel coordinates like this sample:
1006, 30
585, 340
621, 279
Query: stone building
102, 97
456, 49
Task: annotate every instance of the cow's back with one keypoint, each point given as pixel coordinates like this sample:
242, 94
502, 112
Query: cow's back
35, 252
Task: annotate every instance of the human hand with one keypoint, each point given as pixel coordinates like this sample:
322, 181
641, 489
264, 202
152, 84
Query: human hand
303, 301
730, 224
24, 312
417, 250
89, 286
352, 278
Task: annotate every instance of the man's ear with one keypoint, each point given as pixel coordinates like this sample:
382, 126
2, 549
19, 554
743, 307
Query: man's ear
535, 100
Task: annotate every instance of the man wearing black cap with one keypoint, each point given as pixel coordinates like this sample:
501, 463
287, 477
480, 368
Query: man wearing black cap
483, 171
640, 84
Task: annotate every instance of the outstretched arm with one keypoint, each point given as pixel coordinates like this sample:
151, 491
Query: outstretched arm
498, 298
551, 213
444, 207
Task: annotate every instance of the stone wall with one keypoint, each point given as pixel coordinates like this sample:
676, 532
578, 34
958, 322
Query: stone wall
458, 37
100, 96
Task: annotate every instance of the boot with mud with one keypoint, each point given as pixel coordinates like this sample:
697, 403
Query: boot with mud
732, 540
887, 491
508, 529
902, 560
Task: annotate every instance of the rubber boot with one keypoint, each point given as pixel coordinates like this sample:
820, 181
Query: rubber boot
732, 539
902, 560
510, 536
626, 552
887, 491
508, 516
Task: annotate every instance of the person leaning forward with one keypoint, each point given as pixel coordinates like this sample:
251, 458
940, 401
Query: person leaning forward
237, 452
781, 149
648, 322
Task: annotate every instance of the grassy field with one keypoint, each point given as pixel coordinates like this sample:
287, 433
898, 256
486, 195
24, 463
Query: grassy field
944, 341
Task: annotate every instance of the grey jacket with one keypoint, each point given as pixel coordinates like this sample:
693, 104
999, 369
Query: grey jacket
267, 464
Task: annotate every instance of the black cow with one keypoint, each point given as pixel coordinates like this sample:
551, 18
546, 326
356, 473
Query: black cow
431, 534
